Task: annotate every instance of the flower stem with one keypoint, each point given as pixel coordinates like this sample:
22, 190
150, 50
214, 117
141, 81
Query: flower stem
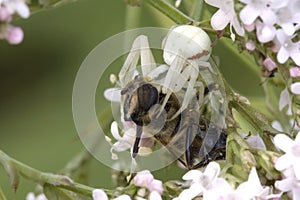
42, 177
170, 11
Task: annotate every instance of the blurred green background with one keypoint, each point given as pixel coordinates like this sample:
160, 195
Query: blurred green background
36, 82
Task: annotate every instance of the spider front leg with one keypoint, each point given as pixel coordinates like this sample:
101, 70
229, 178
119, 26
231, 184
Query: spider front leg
140, 49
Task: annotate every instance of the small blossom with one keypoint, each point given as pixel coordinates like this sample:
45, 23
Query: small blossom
145, 179
295, 88
14, 35
291, 158
99, 194
259, 8
201, 181
269, 64
31, 196
289, 184
250, 46
287, 48
225, 15
295, 72
264, 32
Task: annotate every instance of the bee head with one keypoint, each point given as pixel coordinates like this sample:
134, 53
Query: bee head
138, 102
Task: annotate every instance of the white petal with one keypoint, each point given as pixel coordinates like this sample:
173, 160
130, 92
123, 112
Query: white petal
281, 36
266, 33
154, 196
237, 26
296, 57
214, 3
190, 193
30, 196
268, 17
41, 197
113, 94
23, 10
288, 28
99, 194
284, 162
192, 175
282, 55
115, 131
296, 166
121, 146
283, 142
295, 88
284, 185
248, 15
212, 170
219, 20
284, 99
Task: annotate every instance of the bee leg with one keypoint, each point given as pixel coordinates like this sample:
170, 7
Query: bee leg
135, 150
188, 153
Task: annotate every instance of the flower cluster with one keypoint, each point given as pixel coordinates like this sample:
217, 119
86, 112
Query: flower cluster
289, 165
144, 180
273, 22
8, 8
210, 186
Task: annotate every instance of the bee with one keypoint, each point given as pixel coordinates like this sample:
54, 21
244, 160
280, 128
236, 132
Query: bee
186, 136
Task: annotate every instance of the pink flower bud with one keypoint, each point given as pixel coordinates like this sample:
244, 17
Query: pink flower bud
250, 45
269, 64
295, 88
143, 178
14, 35
295, 72
250, 27
5, 15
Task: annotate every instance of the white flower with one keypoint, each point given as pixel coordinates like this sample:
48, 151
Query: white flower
226, 14
289, 184
291, 158
31, 196
265, 32
145, 179
99, 194
260, 8
123, 197
288, 16
16, 6
251, 189
295, 88
287, 48
201, 181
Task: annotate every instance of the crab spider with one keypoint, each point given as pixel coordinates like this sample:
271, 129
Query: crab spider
186, 50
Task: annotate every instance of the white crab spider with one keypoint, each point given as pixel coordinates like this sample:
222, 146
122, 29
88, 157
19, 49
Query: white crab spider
186, 49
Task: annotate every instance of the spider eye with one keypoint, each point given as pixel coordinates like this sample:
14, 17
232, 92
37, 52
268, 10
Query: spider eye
147, 96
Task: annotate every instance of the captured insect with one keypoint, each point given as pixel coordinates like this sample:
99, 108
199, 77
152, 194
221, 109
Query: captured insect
169, 102
183, 136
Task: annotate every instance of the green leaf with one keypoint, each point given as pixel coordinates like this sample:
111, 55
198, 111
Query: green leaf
55, 193
2, 196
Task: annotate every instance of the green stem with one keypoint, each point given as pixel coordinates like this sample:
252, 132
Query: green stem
196, 10
170, 11
2, 196
42, 177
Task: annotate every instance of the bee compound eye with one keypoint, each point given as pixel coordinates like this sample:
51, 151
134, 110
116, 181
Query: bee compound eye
147, 96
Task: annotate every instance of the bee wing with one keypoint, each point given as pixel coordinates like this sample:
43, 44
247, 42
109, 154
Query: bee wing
113, 94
